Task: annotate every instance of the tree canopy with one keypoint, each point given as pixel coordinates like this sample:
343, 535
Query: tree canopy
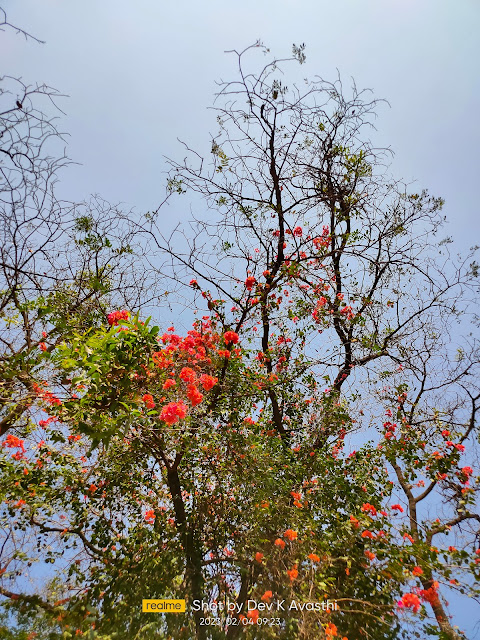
311, 440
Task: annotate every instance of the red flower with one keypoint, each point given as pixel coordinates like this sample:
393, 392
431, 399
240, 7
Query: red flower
430, 595
172, 412
298, 232
367, 534
114, 317
194, 395
250, 282
258, 556
148, 399
417, 571
370, 555
410, 600
168, 383
187, 375
208, 382
354, 521
397, 507
43, 346
231, 337
266, 596
280, 543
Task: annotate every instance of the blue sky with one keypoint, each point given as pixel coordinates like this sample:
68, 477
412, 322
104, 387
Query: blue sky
141, 74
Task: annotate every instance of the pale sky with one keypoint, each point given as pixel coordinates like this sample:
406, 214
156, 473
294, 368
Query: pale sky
140, 74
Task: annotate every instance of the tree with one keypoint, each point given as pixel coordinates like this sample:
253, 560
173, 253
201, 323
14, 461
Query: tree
217, 465
61, 263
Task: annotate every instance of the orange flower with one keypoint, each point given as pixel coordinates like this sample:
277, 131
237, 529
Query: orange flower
370, 555
253, 615
293, 573
314, 558
266, 596
290, 534
149, 516
330, 630
280, 543
367, 534
369, 508
417, 571
194, 395
258, 556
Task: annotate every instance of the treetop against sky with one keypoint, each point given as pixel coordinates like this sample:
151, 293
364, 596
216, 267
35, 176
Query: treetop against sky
311, 437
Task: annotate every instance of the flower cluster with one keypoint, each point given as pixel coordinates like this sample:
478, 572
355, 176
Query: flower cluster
148, 400
230, 337
12, 442
149, 516
290, 535
322, 241
410, 601
46, 395
190, 354
173, 412
115, 317
369, 508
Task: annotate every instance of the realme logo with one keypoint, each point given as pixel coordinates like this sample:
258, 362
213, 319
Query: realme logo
164, 606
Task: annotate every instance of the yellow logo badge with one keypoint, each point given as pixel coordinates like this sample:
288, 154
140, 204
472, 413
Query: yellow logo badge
163, 606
